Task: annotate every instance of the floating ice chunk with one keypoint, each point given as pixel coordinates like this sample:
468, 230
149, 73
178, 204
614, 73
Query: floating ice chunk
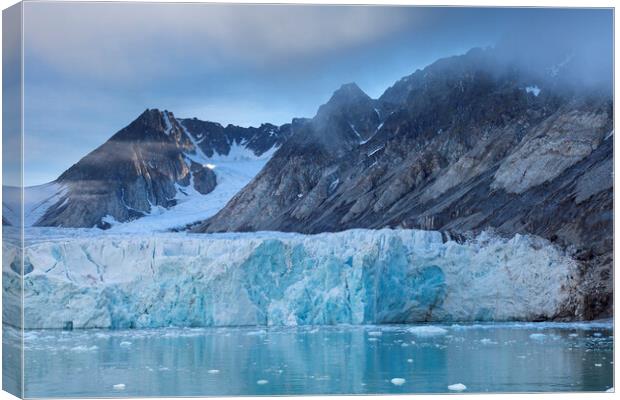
213, 371
125, 344
375, 333
398, 381
119, 386
404, 345
573, 335
164, 368
487, 341
262, 382
538, 336
84, 348
598, 365
257, 333
457, 387
597, 334
427, 330
410, 360
372, 339
610, 390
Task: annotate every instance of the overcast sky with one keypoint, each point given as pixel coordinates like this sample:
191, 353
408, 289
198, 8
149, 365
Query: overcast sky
91, 68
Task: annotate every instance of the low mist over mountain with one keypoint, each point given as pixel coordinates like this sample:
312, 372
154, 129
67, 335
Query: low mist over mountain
486, 140
468, 143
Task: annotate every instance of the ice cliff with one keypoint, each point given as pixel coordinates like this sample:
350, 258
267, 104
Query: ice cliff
352, 277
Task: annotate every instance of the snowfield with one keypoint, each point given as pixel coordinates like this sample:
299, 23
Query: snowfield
269, 278
233, 171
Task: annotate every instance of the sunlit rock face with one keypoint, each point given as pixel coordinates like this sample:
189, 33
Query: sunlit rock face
147, 167
353, 277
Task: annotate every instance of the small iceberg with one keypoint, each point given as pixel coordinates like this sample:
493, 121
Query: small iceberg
457, 387
119, 386
213, 371
262, 382
398, 381
538, 336
427, 330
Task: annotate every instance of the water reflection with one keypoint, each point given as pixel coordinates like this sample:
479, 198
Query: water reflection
333, 360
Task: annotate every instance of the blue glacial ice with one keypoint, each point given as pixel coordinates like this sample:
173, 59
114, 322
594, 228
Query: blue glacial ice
269, 278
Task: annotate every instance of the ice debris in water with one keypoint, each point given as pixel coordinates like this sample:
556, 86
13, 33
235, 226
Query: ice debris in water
119, 386
84, 348
213, 371
125, 344
427, 330
457, 387
398, 381
538, 336
610, 390
375, 333
410, 360
262, 382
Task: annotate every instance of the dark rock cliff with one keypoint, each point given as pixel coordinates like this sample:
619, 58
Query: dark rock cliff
466, 144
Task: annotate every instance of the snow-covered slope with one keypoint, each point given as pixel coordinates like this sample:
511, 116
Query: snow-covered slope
157, 163
356, 277
37, 199
233, 171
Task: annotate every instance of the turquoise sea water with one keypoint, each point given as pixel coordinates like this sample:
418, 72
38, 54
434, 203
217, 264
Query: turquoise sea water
512, 357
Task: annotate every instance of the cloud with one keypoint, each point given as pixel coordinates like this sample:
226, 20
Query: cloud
128, 41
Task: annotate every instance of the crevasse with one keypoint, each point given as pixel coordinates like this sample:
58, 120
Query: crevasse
269, 278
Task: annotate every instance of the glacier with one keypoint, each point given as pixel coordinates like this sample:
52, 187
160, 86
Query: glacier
273, 279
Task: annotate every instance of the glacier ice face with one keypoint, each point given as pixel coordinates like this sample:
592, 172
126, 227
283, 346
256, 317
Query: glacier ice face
269, 278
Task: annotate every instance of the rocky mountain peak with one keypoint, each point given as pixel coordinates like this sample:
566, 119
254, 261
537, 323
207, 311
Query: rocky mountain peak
347, 98
347, 119
349, 91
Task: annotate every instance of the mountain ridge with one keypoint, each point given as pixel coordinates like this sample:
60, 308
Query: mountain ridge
146, 165
466, 144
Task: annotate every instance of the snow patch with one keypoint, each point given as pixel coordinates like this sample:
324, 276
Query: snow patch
535, 90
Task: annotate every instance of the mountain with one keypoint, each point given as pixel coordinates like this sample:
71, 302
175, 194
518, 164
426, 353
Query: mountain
469, 143
147, 168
